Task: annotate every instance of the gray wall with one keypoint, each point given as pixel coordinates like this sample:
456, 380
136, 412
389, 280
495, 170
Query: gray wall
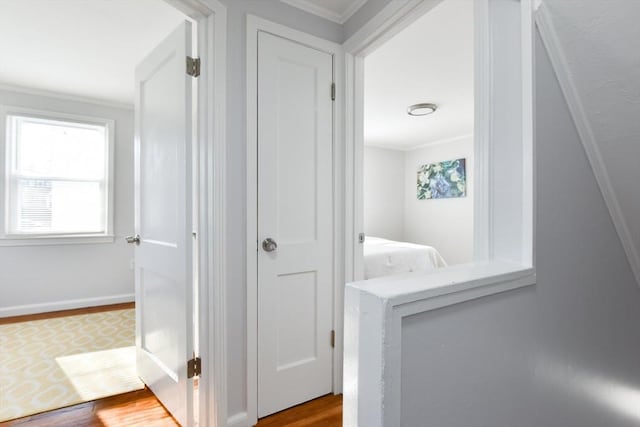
562, 353
97, 273
276, 11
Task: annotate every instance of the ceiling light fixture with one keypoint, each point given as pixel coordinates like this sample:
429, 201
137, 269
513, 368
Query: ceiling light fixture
421, 109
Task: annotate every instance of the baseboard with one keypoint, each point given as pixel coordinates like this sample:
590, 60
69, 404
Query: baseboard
240, 419
20, 310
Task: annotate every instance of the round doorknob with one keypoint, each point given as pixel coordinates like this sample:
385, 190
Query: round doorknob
269, 245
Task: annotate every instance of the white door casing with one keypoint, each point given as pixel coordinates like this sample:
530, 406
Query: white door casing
295, 208
163, 220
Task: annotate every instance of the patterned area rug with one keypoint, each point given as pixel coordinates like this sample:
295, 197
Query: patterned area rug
53, 363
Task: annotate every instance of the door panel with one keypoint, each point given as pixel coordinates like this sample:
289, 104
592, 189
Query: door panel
163, 259
295, 178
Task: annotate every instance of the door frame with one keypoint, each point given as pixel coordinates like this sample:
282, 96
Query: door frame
254, 25
209, 162
391, 20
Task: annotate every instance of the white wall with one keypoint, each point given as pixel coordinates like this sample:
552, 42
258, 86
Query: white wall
445, 224
44, 278
384, 179
561, 353
393, 211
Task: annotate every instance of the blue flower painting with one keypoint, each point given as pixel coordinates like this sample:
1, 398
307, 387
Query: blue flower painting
442, 180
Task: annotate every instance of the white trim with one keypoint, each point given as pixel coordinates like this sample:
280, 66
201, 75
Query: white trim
374, 309
482, 243
64, 96
323, 12
338, 218
53, 240
392, 19
254, 25
419, 146
8, 239
314, 9
374, 399
20, 310
351, 10
388, 22
211, 19
217, 215
558, 59
240, 419
528, 136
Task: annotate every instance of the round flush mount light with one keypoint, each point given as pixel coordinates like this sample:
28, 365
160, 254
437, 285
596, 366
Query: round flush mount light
421, 109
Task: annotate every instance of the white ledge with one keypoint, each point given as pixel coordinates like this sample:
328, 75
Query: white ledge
52, 240
374, 313
495, 276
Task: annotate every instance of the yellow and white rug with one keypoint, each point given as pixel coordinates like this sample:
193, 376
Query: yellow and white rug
53, 363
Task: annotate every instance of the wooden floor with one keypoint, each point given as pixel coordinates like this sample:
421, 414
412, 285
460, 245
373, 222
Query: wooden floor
141, 408
322, 412
65, 313
138, 408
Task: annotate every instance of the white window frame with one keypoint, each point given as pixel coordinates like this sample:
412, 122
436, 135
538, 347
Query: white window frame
8, 239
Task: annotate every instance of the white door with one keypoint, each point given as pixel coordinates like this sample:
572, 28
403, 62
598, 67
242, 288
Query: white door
295, 309
163, 256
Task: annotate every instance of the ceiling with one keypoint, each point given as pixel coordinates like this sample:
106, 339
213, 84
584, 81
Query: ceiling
334, 10
79, 47
430, 61
600, 44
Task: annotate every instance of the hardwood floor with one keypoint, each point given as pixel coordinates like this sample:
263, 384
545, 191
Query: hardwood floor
325, 411
138, 408
64, 313
141, 408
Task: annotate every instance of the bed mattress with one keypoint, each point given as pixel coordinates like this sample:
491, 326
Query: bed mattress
384, 257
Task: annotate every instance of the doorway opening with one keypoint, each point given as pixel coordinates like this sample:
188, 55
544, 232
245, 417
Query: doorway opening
67, 175
419, 145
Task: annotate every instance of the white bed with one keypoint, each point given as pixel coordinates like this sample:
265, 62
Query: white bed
384, 257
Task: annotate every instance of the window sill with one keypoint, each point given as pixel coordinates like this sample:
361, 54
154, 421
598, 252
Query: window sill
465, 282
57, 240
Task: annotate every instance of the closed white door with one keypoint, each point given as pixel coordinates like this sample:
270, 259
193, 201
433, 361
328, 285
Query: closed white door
163, 254
295, 294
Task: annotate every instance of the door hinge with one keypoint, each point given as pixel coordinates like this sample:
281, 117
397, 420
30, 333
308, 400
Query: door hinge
333, 91
193, 66
361, 238
194, 367
333, 339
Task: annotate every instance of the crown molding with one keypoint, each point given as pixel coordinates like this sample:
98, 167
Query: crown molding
323, 12
64, 96
419, 146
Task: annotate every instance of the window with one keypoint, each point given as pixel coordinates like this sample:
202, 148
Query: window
57, 177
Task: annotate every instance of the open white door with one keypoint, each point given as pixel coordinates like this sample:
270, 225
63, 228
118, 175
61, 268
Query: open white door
163, 223
295, 213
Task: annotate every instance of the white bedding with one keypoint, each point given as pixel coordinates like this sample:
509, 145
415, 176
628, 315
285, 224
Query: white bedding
383, 257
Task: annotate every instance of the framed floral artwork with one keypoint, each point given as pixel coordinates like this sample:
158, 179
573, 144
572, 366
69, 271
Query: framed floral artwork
442, 180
